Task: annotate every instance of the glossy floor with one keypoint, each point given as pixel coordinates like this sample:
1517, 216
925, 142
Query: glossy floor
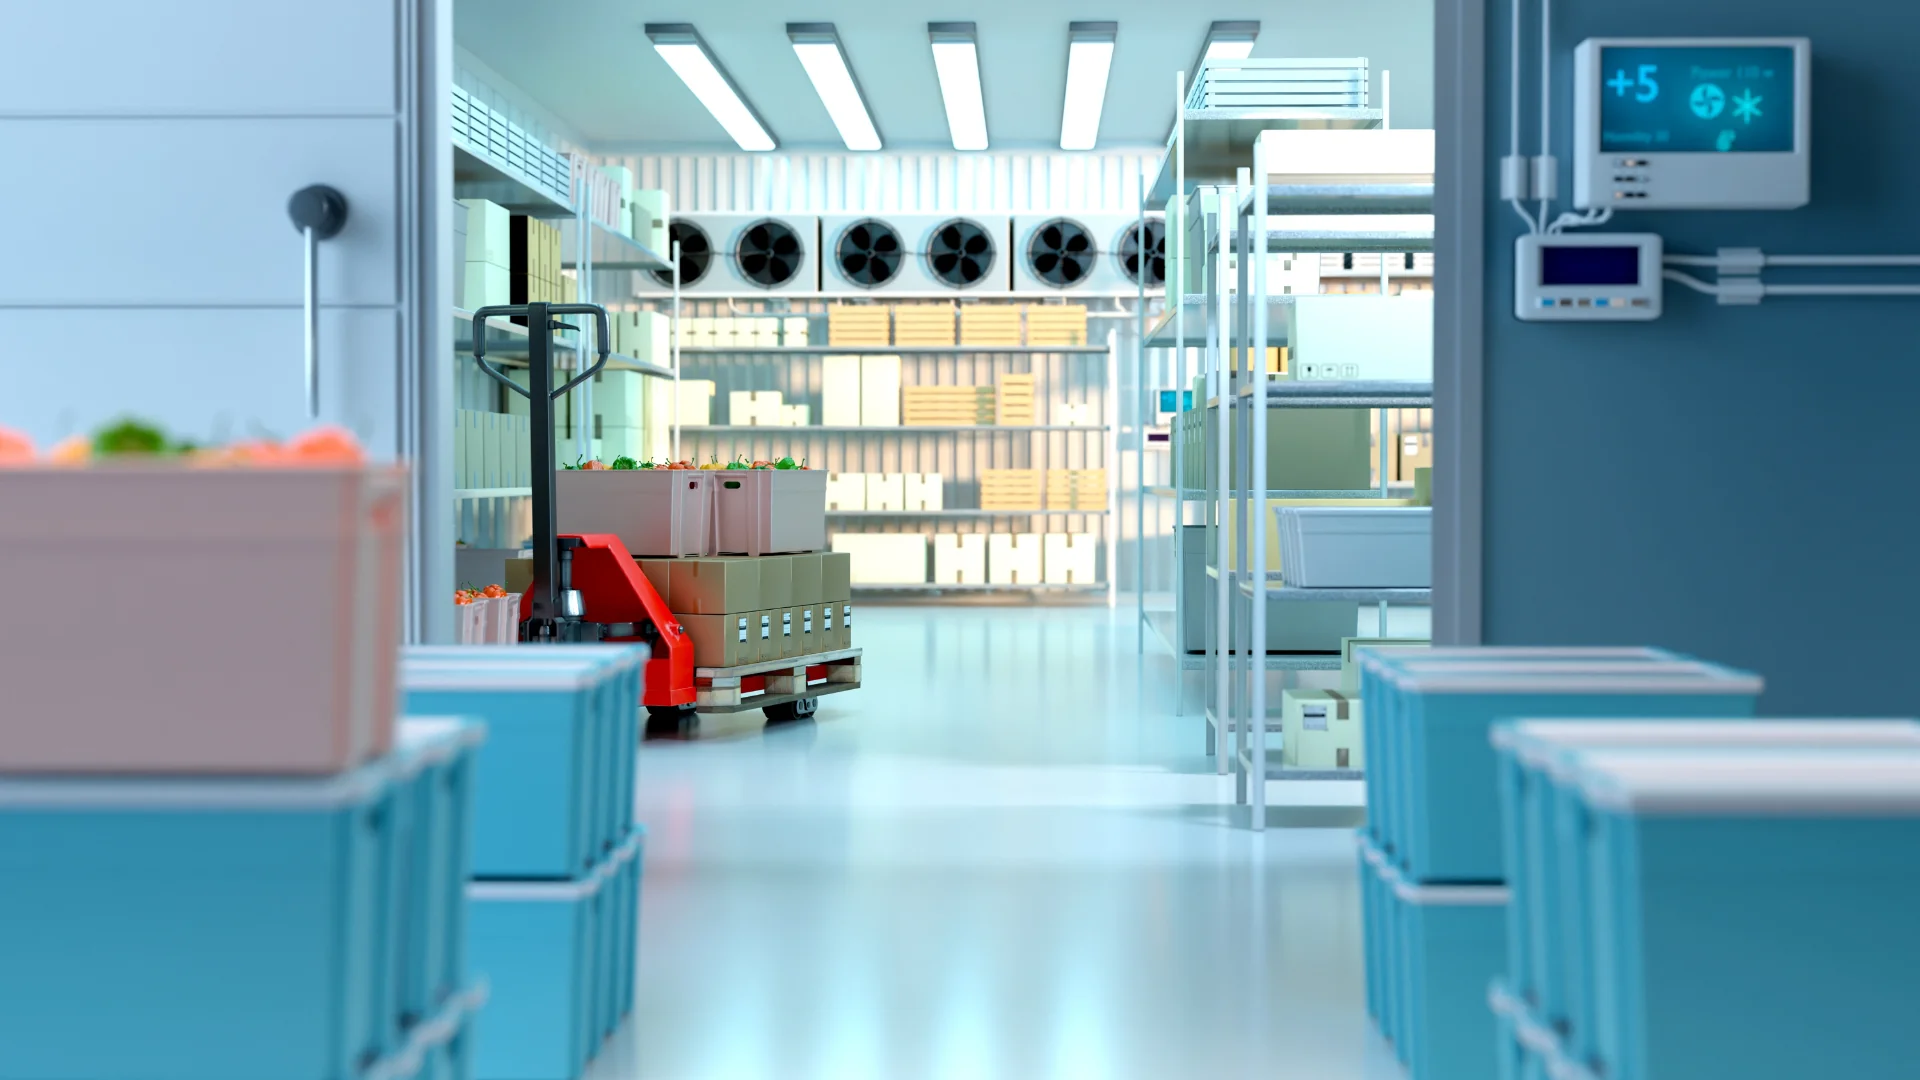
1002, 858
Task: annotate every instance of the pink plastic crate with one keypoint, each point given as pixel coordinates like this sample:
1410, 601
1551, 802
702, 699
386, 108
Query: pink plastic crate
657, 513
769, 511
174, 619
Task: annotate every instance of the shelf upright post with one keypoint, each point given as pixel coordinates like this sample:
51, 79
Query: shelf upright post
1256, 250
1239, 328
1177, 460
673, 342
1140, 415
581, 407
1110, 523
1218, 385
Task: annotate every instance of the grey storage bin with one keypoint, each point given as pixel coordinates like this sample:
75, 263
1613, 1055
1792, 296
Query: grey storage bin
1292, 627
1388, 547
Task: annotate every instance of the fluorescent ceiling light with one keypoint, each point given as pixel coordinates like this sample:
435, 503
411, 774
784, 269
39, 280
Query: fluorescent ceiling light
1230, 41
680, 45
818, 47
1089, 57
956, 59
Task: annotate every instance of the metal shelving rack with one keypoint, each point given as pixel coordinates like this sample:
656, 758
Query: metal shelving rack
958, 452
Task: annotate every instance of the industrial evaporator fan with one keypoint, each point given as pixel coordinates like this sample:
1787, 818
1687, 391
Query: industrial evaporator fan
1061, 253
769, 253
1144, 246
696, 255
960, 253
869, 253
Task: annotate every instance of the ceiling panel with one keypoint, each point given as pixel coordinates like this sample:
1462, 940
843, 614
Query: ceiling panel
589, 62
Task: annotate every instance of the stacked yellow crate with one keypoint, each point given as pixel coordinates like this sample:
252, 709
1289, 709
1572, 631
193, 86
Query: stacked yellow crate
1057, 324
923, 325
946, 406
990, 326
1015, 401
858, 326
1076, 489
1010, 489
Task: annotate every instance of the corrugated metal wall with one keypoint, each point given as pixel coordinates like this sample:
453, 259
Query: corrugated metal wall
896, 183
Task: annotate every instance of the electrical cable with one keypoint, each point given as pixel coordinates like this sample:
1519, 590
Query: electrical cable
1512, 170
1546, 114
1580, 221
1691, 282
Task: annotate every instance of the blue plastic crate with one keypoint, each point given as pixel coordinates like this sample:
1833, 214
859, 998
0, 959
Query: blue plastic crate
1753, 912
1372, 944
438, 755
1383, 769
1450, 945
1548, 875
213, 928
1448, 804
627, 922
1526, 1049
550, 954
440, 1047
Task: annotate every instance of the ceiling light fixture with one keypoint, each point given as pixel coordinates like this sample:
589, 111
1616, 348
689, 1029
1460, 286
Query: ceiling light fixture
956, 59
1089, 58
681, 46
1228, 41
820, 52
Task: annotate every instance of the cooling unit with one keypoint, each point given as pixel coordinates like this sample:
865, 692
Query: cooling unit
1142, 251
741, 255
918, 255
1076, 253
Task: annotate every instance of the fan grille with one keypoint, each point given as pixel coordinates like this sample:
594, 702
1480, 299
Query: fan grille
869, 253
696, 255
1155, 253
769, 253
1061, 253
960, 253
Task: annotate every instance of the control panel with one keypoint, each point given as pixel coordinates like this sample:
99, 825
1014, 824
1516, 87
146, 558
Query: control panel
1691, 123
1587, 277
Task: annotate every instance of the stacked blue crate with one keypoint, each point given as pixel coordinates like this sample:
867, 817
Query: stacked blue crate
1434, 820
1546, 822
554, 890
230, 927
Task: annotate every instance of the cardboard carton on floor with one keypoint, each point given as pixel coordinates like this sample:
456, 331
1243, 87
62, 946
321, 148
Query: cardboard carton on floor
824, 623
721, 640
765, 624
1320, 729
715, 586
846, 626
807, 580
793, 640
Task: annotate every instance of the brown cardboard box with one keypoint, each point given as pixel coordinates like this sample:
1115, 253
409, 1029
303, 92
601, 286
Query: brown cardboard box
807, 571
836, 576
519, 575
805, 625
765, 629
786, 627
715, 586
1412, 450
844, 627
824, 623
659, 572
776, 581
721, 640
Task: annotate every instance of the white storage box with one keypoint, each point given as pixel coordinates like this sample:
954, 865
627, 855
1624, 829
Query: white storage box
754, 408
1376, 156
1320, 729
769, 511
658, 513
880, 391
924, 491
1326, 547
886, 491
154, 631
696, 402
619, 398
1077, 414
795, 415
1360, 337
846, 491
1014, 559
1070, 558
884, 558
840, 391
793, 331
960, 559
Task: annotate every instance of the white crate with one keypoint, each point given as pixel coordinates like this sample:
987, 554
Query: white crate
1071, 558
1356, 547
840, 391
846, 491
1359, 336
1302, 156
960, 559
795, 415
884, 558
753, 408
924, 491
1014, 559
886, 491
619, 398
696, 402
880, 391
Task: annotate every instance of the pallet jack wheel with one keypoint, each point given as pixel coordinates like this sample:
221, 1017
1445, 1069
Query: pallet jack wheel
670, 719
788, 712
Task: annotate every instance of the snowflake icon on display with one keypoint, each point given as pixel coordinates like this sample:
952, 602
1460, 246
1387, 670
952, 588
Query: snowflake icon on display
1746, 106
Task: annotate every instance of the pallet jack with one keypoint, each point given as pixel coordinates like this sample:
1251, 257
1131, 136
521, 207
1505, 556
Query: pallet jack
587, 588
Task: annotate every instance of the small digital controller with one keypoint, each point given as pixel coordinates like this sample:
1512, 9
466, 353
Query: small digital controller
1587, 277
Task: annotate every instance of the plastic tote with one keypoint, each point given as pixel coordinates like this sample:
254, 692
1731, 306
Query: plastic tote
1329, 547
659, 513
435, 853
769, 511
207, 929
1753, 911
1526, 1049
1372, 664
1548, 876
548, 951
1451, 942
1447, 823
161, 638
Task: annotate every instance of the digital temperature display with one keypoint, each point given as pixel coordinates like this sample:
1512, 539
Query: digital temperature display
1696, 98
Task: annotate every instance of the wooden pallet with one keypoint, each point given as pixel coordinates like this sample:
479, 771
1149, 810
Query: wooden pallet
1056, 324
776, 682
859, 326
925, 325
997, 327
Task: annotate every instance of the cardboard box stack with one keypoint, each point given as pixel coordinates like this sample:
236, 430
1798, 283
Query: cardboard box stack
923, 325
748, 610
650, 214
990, 326
860, 391
1010, 489
859, 326
489, 268
534, 250
1014, 407
1076, 489
490, 450
1057, 324
946, 406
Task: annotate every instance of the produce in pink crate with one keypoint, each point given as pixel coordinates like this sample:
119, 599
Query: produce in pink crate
15, 448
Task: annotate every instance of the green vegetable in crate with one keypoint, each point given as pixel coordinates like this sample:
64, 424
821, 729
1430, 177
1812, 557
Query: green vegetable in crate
785, 463
624, 462
130, 437
644, 465
738, 465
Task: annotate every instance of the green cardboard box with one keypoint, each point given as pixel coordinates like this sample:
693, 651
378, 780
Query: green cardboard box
836, 576
776, 581
807, 578
714, 586
805, 630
